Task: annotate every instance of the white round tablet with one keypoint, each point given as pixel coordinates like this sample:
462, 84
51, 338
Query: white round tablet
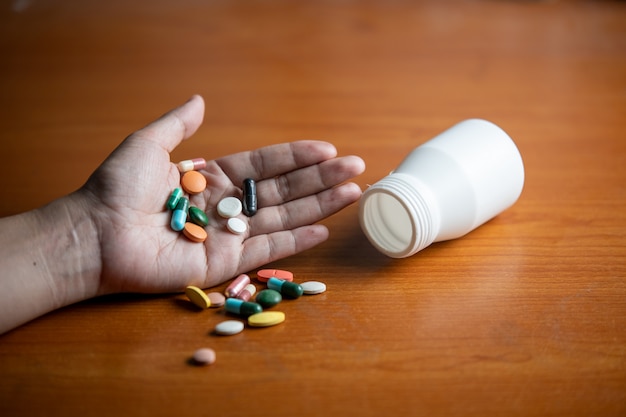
236, 225
313, 287
229, 207
229, 327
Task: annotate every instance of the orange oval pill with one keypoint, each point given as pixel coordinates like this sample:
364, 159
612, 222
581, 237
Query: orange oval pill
264, 274
193, 182
194, 232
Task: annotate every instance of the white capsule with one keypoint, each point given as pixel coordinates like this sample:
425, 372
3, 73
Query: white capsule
313, 287
229, 207
236, 225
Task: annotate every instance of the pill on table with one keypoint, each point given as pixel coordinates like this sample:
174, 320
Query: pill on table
249, 197
286, 288
247, 292
204, 356
268, 298
193, 182
179, 216
313, 287
229, 207
242, 308
174, 197
266, 319
264, 274
217, 299
228, 327
197, 296
194, 232
194, 164
237, 285
198, 216
236, 226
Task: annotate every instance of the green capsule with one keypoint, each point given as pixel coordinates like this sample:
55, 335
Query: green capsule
174, 198
268, 298
286, 288
198, 216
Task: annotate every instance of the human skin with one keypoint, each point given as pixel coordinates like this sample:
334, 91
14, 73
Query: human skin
112, 235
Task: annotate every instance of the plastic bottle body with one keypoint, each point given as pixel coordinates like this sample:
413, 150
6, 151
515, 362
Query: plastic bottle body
443, 189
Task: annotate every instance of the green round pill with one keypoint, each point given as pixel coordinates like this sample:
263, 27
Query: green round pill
268, 298
198, 216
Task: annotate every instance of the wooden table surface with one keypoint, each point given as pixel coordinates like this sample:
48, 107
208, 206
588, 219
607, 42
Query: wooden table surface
524, 316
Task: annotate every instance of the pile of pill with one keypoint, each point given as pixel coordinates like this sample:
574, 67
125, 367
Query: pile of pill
192, 220
241, 299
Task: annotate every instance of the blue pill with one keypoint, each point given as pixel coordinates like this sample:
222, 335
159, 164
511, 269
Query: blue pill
242, 308
179, 215
286, 288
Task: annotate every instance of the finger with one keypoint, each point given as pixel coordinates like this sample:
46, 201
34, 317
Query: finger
174, 126
304, 211
308, 181
270, 161
267, 248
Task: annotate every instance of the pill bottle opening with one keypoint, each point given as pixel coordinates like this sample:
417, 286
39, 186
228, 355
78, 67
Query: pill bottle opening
387, 223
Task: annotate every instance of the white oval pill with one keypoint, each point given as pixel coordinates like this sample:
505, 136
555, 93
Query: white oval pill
236, 225
313, 287
229, 207
229, 327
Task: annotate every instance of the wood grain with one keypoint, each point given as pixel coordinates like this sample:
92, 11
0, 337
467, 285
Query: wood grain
524, 316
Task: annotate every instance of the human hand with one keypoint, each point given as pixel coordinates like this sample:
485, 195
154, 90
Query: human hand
298, 184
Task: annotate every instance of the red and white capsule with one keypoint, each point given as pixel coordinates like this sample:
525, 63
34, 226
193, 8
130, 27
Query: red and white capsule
237, 286
191, 164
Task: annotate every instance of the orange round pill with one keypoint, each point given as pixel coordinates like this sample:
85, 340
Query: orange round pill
194, 232
193, 182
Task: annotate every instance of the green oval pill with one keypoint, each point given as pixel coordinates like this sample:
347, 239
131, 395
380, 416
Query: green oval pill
268, 298
198, 216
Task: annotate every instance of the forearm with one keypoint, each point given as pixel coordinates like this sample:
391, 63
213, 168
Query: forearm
50, 258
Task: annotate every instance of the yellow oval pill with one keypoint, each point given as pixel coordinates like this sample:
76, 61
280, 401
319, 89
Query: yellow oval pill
266, 319
197, 296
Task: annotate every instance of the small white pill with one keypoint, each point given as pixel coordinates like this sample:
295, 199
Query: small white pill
313, 287
229, 207
229, 327
236, 225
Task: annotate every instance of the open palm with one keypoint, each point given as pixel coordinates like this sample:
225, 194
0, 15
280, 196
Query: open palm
298, 184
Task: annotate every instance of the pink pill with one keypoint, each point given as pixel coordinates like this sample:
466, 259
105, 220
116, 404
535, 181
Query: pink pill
192, 164
237, 285
247, 292
264, 274
204, 356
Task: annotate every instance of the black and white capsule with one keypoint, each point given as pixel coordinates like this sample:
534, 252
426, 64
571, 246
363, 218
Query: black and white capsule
249, 197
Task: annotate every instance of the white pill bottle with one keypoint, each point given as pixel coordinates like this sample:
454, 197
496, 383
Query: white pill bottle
443, 189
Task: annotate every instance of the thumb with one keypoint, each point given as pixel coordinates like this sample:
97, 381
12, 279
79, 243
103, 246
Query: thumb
178, 124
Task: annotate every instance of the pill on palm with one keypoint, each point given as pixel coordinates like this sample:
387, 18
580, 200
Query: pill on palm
236, 226
266, 319
197, 296
194, 164
237, 285
198, 216
174, 198
193, 182
249, 197
194, 232
229, 327
179, 215
313, 287
204, 356
264, 274
217, 299
229, 207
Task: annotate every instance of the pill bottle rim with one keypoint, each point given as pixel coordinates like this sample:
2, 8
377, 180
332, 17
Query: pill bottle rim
398, 199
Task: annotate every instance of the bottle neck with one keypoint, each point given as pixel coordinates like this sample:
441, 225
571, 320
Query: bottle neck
399, 215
